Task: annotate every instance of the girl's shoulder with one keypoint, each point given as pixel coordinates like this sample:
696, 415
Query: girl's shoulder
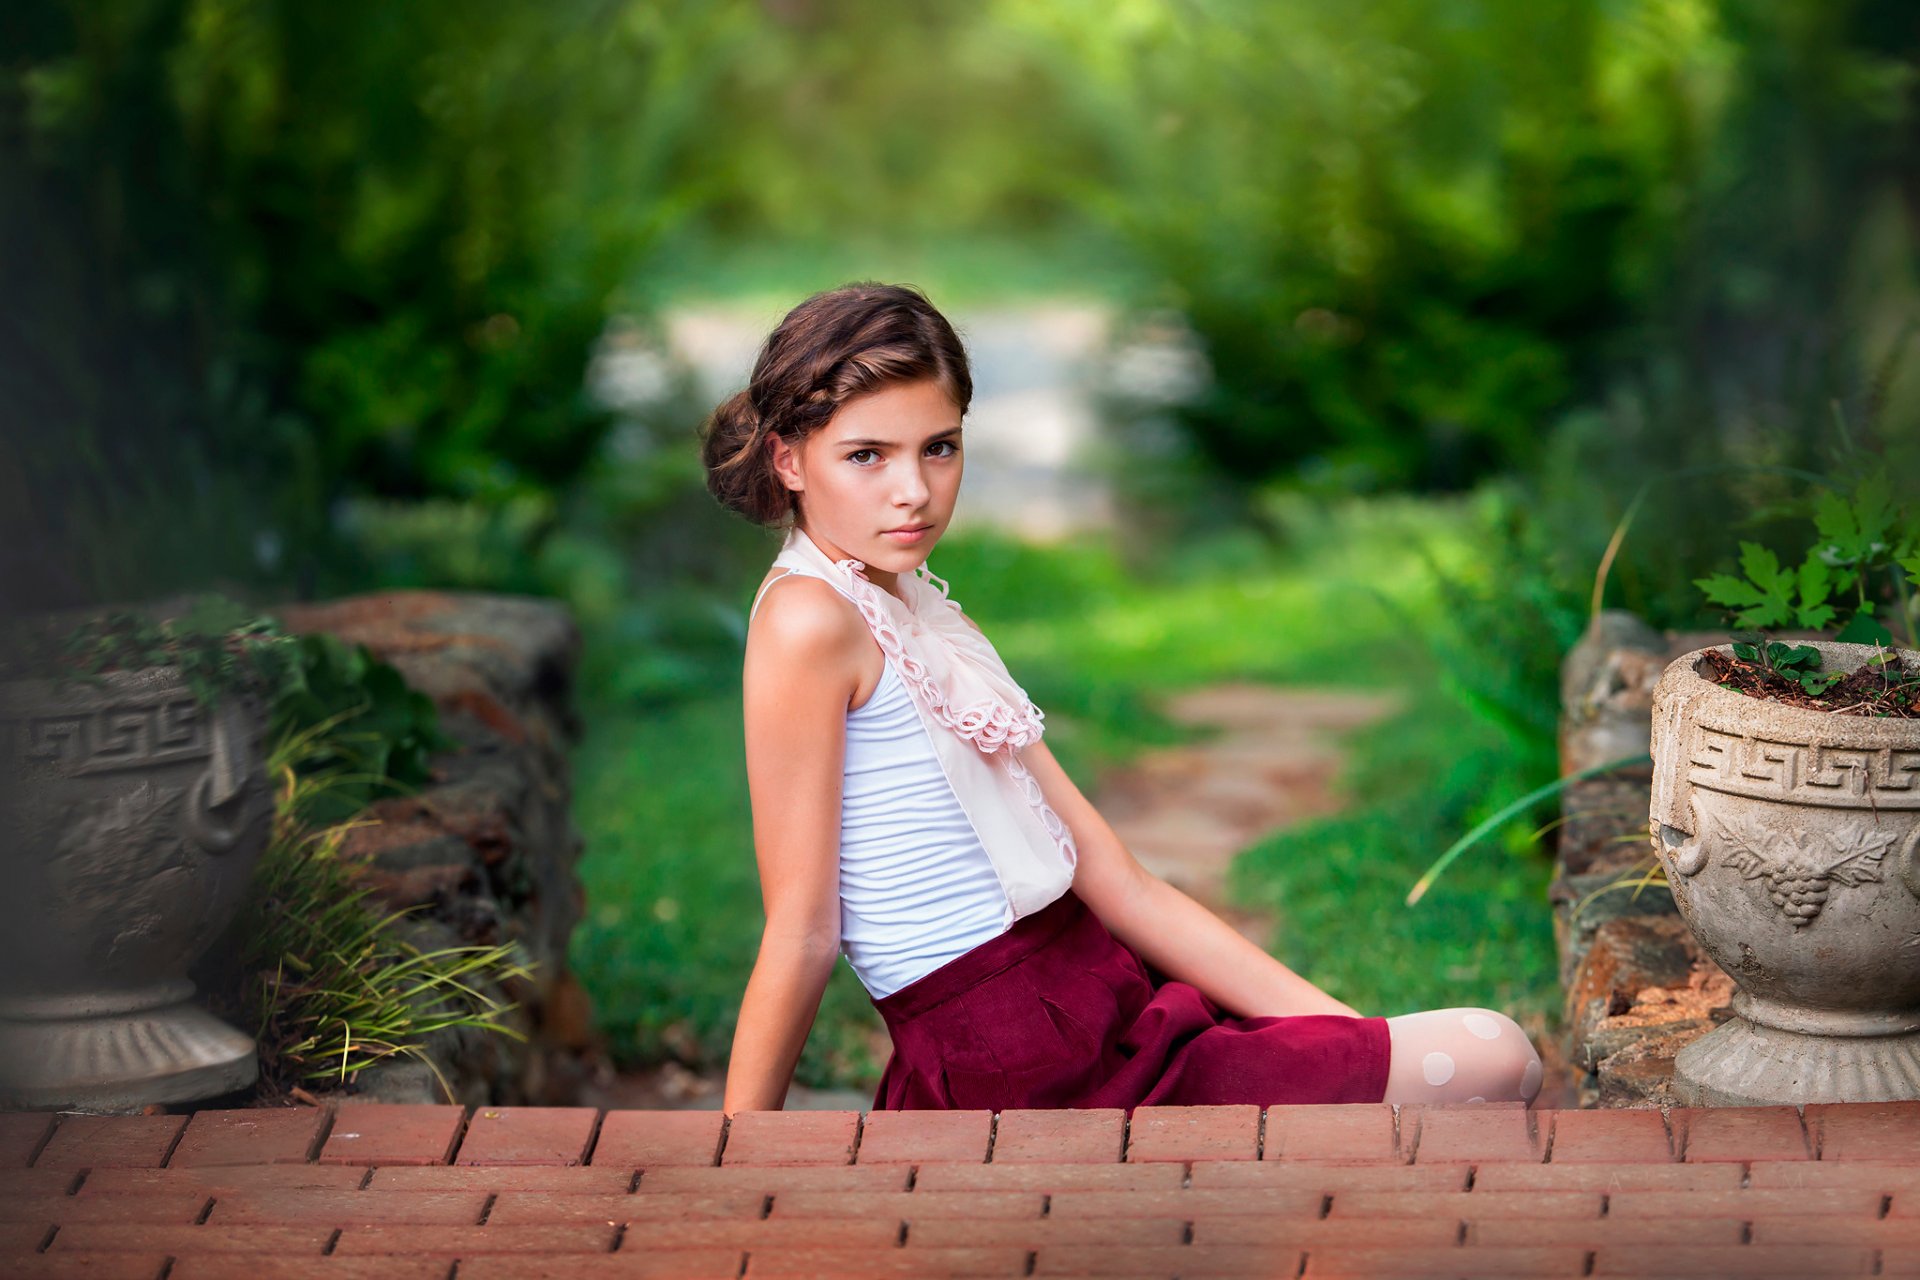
808, 617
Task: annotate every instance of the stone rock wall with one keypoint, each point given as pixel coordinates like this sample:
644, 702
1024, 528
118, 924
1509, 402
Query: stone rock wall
1638, 989
488, 847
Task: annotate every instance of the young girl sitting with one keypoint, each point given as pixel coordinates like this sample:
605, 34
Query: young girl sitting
908, 815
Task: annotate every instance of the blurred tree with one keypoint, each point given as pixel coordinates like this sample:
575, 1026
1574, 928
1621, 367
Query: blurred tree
1411, 234
264, 254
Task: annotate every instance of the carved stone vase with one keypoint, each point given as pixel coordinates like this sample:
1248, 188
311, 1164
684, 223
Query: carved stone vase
1791, 840
132, 820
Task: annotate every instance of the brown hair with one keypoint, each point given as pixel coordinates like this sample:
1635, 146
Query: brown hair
836, 345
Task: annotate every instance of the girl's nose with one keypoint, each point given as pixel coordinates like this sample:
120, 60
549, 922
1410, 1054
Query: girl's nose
913, 488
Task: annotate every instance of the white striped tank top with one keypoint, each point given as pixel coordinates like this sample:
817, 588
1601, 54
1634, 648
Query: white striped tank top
917, 888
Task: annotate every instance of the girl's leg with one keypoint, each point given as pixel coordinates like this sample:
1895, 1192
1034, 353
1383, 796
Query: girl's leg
1460, 1055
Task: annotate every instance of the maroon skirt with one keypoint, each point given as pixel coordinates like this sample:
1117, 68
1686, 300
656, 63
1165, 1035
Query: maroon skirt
1057, 1012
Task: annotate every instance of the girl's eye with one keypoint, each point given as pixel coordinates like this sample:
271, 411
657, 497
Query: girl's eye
860, 457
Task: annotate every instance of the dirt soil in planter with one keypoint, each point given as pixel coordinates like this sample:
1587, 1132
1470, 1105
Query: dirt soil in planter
1892, 690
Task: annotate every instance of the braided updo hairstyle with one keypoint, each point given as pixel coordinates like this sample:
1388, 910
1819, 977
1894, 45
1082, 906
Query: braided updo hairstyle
836, 345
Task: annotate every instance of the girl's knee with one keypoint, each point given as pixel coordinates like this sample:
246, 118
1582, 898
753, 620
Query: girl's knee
1465, 1054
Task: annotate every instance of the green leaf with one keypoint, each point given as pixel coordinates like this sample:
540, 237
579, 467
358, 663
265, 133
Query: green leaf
1912, 565
1864, 628
1805, 657
1725, 589
1746, 652
1763, 567
1819, 683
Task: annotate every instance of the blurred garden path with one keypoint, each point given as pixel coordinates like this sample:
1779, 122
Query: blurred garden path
1186, 811
1033, 438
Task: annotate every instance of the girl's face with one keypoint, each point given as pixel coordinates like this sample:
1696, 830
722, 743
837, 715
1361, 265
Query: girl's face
878, 482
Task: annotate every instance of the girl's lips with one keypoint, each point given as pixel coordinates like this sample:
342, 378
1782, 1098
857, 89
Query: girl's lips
909, 535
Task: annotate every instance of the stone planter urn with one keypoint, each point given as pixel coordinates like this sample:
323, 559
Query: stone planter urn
1791, 840
132, 820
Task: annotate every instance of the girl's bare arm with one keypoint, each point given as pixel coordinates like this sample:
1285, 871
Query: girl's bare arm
1167, 928
800, 673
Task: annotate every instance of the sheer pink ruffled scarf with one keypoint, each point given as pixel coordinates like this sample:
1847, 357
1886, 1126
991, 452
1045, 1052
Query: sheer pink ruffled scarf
956, 677
953, 668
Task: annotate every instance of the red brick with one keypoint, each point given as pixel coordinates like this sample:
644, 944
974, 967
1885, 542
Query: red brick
1906, 1204
1790, 1175
1897, 1233
791, 1137
95, 1142
1464, 1261
1194, 1133
899, 1206
1610, 1137
181, 1208
809, 1264
1469, 1133
676, 1264
1731, 1260
94, 1266
21, 1133
527, 1135
1054, 1177
392, 1133
464, 1242
23, 1237
348, 1208
1185, 1204
1331, 1177
553, 1179
1744, 1204
650, 1139
261, 1266
1330, 1233
1345, 1134
109, 1237
1466, 1205
221, 1180
764, 1233
1865, 1130
39, 1182
925, 1136
1741, 1133
1185, 1261
1607, 1177
773, 1179
258, 1135
1510, 1233
1092, 1136
955, 1233
523, 1208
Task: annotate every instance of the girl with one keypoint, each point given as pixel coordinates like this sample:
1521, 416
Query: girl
908, 815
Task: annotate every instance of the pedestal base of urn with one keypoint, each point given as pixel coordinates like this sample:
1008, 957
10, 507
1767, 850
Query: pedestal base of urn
123, 1061
1742, 1063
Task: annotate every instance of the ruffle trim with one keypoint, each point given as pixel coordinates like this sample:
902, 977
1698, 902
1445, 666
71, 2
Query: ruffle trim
989, 725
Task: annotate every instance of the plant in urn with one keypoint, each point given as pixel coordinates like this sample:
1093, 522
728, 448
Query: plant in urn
1786, 813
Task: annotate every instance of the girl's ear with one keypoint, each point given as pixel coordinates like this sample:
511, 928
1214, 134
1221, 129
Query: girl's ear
786, 463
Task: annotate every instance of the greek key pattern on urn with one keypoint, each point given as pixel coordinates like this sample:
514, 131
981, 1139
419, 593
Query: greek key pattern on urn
124, 735
1803, 772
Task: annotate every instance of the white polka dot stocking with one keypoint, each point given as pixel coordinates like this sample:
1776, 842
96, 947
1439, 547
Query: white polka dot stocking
1460, 1055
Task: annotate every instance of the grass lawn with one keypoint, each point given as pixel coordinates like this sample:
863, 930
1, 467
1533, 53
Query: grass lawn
673, 914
